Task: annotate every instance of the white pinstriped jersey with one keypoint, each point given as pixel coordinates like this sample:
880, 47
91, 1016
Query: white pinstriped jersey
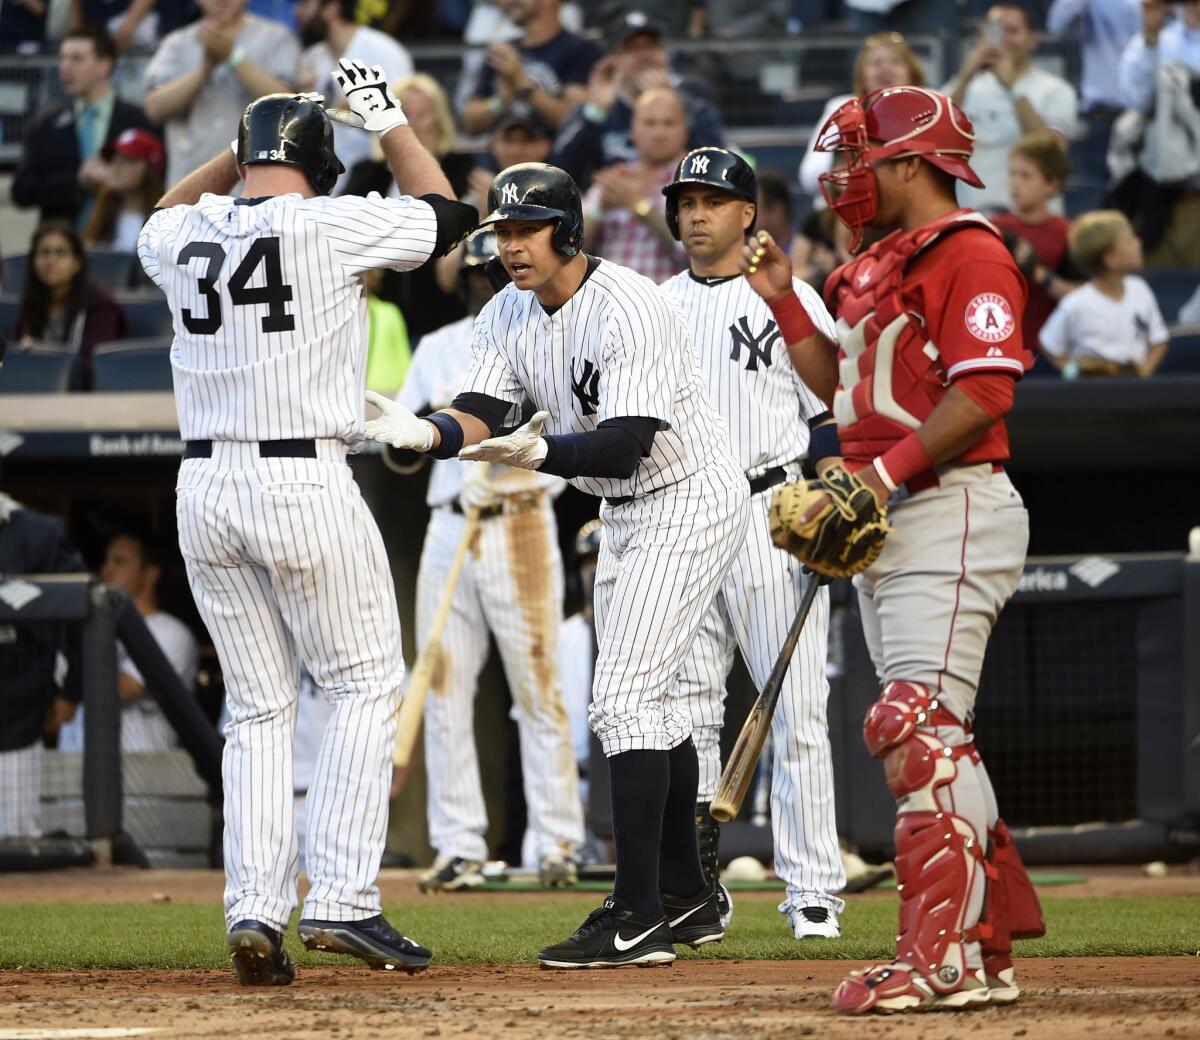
746, 366
618, 347
269, 314
438, 368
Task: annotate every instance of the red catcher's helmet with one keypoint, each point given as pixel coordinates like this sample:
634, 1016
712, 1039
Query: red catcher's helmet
889, 124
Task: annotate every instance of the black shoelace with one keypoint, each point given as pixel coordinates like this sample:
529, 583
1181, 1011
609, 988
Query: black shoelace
596, 921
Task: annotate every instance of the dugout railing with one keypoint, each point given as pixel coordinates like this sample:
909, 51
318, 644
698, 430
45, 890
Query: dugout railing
175, 796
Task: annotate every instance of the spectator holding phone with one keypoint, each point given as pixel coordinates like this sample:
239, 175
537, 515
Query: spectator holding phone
1006, 96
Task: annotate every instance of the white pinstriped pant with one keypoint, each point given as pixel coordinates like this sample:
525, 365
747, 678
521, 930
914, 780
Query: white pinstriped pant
753, 611
21, 792
286, 565
662, 559
512, 586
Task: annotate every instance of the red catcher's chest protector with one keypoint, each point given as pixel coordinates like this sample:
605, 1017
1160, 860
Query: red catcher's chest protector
890, 375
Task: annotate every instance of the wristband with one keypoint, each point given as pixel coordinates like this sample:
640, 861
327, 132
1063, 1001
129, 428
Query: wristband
593, 113
902, 462
495, 105
236, 57
452, 435
793, 320
824, 443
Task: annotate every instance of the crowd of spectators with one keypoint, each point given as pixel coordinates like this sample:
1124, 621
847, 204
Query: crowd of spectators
604, 90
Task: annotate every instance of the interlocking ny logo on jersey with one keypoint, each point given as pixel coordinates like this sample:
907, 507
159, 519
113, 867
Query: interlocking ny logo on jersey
758, 348
700, 164
508, 194
586, 387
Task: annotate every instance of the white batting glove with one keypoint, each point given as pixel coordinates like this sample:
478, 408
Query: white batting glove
369, 96
524, 448
397, 426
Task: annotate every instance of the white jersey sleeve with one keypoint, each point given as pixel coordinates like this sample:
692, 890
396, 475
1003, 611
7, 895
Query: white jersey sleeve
814, 306
157, 234
374, 232
491, 370
640, 374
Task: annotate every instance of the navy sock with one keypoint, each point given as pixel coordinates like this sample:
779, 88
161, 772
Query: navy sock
680, 871
640, 780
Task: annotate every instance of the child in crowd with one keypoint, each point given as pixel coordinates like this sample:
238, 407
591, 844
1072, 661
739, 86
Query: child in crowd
1037, 238
1112, 325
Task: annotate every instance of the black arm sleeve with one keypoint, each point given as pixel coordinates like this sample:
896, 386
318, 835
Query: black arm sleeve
455, 220
613, 449
488, 410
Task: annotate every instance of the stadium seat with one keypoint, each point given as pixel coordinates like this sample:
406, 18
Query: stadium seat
1172, 289
12, 273
1183, 355
9, 307
37, 370
146, 316
132, 365
115, 271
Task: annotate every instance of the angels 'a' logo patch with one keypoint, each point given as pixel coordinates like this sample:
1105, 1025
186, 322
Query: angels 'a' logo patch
990, 318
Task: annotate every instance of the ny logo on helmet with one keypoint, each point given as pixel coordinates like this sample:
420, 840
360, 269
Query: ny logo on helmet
508, 193
700, 164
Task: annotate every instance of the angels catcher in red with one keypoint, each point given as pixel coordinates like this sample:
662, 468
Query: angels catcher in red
912, 499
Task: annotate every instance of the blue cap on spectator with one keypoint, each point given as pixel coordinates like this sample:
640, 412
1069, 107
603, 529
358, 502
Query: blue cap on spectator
631, 24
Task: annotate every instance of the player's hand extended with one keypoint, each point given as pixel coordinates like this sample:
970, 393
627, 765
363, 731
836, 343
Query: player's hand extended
524, 448
397, 426
369, 96
766, 267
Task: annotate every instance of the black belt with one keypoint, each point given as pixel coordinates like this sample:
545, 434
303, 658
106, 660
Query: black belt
290, 449
767, 480
486, 513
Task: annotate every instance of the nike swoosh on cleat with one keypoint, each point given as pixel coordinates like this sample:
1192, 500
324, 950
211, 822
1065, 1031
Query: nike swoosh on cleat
679, 920
628, 944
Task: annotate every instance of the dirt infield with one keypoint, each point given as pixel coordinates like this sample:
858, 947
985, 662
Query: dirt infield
1064, 999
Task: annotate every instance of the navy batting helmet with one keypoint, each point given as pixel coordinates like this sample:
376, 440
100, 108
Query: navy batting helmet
717, 167
536, 191
293, 130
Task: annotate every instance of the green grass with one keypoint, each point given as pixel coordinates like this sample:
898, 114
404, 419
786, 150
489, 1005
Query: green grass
491, 931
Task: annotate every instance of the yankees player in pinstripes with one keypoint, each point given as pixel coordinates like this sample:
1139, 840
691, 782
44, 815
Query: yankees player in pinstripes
608, 358
511, 587
711, 206
284, 561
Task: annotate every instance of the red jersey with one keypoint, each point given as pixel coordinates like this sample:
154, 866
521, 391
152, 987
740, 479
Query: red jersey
1049, 241
915, 312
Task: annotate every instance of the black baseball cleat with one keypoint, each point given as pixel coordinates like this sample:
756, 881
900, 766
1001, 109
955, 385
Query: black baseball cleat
372, 940
612, 937
696, 921
258, 955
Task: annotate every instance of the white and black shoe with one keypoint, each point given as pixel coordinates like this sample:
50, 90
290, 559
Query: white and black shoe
613, 937
452, 874
694, 922
813, 922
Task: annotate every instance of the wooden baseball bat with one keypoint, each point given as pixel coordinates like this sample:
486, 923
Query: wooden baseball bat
412, 708
739, 770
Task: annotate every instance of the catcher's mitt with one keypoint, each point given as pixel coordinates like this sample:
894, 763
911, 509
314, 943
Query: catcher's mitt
844, 537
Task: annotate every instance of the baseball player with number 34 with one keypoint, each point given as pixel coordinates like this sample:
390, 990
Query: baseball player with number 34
915, 502
284, 560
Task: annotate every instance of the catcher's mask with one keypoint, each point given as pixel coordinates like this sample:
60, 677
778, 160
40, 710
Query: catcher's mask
890, 124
